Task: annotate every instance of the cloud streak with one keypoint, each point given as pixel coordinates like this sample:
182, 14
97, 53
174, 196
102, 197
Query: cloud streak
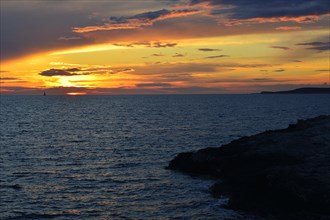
240, 12
175, 70
218, 56
137, 21
56, 72
288, 28
178, 55
156, 44
8, 79
157, 55
69, 38
208, 49
308, 19
97, 70
153, 85
319, 46
280, 47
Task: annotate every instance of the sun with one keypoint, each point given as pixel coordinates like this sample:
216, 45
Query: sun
76, 93
65, 82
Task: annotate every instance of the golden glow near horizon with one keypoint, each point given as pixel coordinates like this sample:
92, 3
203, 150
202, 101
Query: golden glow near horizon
76, 93
87, 49
240, 62
92, 55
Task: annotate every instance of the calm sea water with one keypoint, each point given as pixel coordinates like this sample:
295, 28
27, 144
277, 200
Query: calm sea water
103, 157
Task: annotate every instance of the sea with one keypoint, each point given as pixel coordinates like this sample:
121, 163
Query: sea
104, 157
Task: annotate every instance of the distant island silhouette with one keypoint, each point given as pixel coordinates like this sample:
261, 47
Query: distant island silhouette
307, 90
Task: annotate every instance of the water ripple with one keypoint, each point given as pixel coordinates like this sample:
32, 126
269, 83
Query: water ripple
103, 157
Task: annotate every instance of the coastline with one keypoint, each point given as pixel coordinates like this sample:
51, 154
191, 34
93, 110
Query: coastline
280, 174
306, 90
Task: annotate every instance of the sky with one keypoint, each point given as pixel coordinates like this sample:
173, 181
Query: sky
98, 47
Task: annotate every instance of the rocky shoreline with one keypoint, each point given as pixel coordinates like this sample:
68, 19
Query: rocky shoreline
281, 174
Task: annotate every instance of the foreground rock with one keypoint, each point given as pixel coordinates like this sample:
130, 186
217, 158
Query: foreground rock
282, 174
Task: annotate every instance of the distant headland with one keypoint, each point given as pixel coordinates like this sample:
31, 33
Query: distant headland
307, 90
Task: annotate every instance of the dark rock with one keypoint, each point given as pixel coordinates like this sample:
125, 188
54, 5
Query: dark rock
282, 174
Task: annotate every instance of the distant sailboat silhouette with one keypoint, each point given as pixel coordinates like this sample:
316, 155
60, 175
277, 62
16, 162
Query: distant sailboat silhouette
44, 94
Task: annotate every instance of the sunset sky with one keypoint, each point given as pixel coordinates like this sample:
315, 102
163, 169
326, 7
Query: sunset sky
163, 46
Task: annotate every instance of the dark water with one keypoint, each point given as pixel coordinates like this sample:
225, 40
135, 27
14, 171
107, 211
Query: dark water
103, 157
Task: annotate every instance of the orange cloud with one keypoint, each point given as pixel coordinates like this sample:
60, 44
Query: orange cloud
137, 21
288, 28
308, 19
156, 44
